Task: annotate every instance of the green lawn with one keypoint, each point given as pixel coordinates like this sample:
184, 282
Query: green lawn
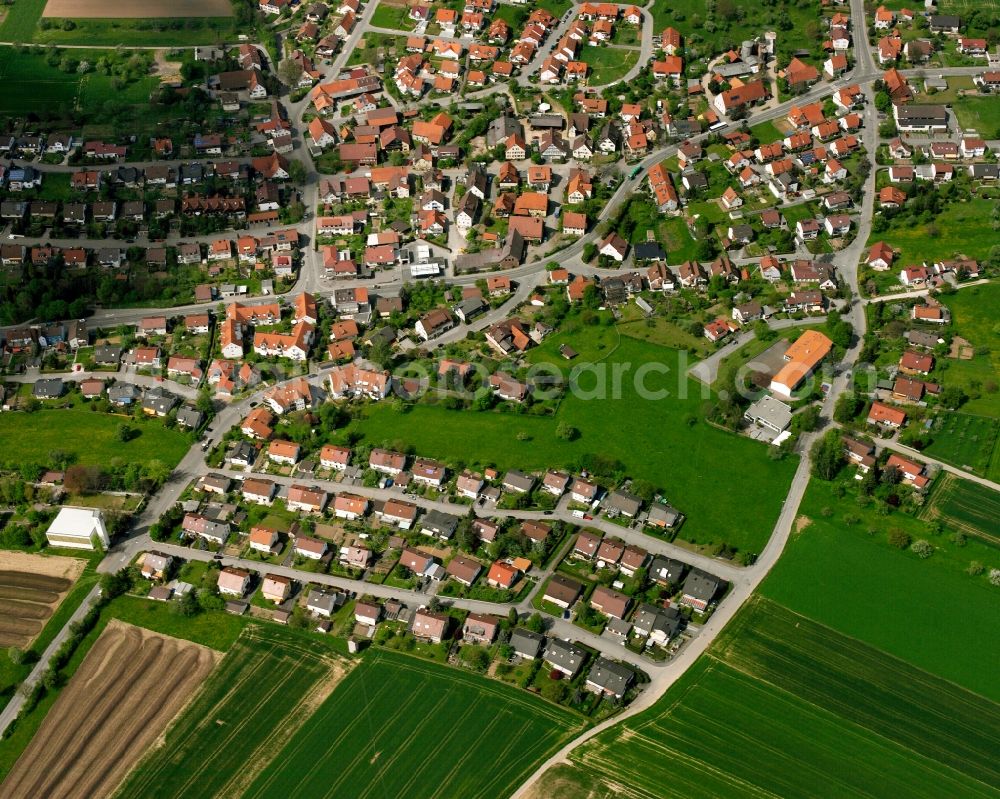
979, 113
966, 441
395, 17
257, 696
677, 241
962, 228
402, 727
766, 132
91, 437
923, 611
976, 318
966, 506
783, 706
608, 64
658, 439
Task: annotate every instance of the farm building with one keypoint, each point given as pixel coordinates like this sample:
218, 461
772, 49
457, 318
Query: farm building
78, 528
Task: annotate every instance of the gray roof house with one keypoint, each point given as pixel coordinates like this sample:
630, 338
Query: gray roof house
438, 524
322, 603
666, 570
609, 678
660, 625
663, 515
123, 394
565, 657
622, 502
526, 643
106, 355
48, 388
189, 417
158, 402
518, 481
699, 589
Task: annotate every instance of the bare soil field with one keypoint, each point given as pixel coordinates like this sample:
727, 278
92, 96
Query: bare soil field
127, 689
132, 9
31, 588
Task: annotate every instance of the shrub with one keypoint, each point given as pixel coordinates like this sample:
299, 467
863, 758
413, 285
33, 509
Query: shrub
922, 548
899, 539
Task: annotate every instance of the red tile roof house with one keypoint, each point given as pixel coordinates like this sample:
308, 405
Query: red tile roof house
586, 545
610, 552
416, 562
233, 582
311, 548
355, 557
276, 588
428, 472
304, 498
334, 457
367, 613
401, 514
349, 506
916, 363
486, 529
264, 539
259, 491
610, 602
886, 416
480, 628
911, 471
562, 591
280, 451
464, 570
501, 575
431, 626
386, 462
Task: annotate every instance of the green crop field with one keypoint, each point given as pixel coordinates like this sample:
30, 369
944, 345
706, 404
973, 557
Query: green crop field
35, 86
401, 727
783, 706
976, 317
659, 440
966, 441
966, 506
840, 570
264, 689
91, 437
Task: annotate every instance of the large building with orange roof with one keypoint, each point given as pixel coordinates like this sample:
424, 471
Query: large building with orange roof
801, 360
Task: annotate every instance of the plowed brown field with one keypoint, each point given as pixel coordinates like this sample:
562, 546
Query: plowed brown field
132, 9
31, 588
126, 691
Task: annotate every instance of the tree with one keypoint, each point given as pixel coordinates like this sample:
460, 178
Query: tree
847, 408
535, 623
289, 70
827, 455
589, 251
188, 605
116, 584
567, 432
124, 432
807, 419
16, 655
296, 172
995, 577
